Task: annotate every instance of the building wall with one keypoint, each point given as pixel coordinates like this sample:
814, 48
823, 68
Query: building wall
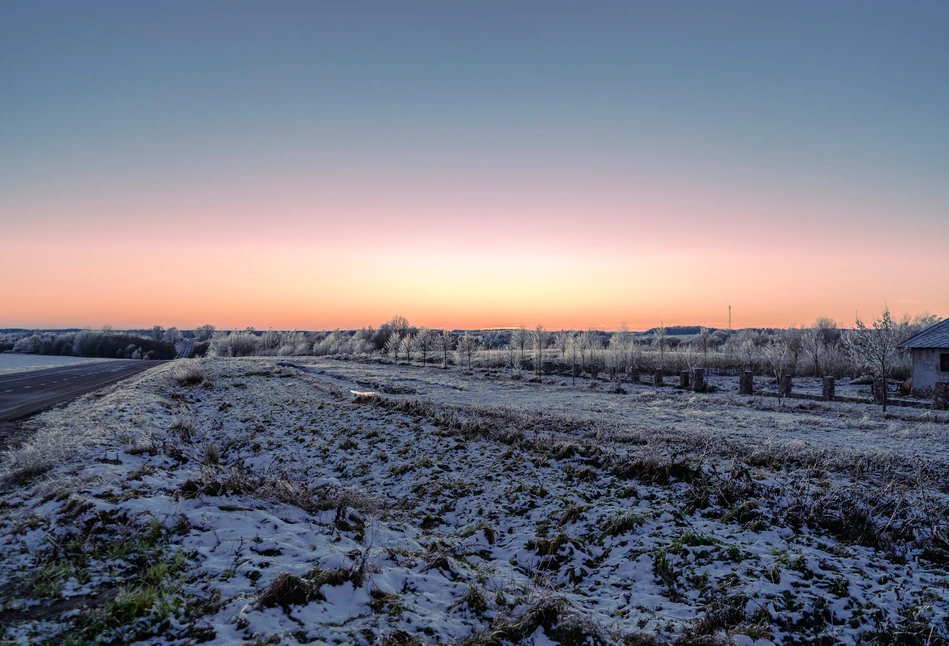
926, 369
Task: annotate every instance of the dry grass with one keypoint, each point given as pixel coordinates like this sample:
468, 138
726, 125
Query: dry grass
191, 372
611, 486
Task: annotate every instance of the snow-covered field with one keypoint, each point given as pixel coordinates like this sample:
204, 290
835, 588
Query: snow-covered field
264, 501
10, 362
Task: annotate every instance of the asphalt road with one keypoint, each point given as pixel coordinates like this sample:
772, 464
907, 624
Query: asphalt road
185, 348
25, 393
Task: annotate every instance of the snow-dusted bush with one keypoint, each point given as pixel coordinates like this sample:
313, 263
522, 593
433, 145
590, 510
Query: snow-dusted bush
190, 373
235, 344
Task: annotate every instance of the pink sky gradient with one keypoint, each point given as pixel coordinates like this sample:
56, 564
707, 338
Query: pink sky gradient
286, 259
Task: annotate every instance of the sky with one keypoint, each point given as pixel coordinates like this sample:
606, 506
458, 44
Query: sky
320, 165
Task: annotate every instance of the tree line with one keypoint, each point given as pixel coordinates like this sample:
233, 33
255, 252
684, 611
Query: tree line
820, 349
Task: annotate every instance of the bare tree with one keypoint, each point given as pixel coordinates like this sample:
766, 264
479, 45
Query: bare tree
583, 347
575, 348
793, 337
660, 337
703, 342
203, 333
777, 354
592, 343
446, 343
748, 352
539, 340
877, 347
812, 343
425, 342
619, 353
635, 356
690, 356
513, 361
172, 335
520, 339
615, 353
623, 341
407, 346
467, 345
562, 341
399, 325
393, 346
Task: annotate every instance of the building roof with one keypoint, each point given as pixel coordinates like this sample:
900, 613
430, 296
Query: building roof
935, 336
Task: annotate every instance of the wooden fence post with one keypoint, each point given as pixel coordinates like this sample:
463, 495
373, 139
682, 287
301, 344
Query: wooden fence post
784, 386
941, 395
684, 379
699, 384
657, 378
830, 389
746, 383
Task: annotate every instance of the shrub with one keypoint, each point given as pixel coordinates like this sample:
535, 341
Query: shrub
191, 373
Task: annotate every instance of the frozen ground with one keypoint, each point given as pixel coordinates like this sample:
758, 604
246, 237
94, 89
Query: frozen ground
10, 362
851, 430
265, 502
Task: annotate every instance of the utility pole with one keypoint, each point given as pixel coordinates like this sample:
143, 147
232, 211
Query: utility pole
729, 318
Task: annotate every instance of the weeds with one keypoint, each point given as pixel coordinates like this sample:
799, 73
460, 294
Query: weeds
191, 373
287, 590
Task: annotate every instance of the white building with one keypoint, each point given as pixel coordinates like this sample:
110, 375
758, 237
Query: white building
930, 350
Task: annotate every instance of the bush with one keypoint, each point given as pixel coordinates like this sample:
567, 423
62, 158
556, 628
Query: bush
191, 374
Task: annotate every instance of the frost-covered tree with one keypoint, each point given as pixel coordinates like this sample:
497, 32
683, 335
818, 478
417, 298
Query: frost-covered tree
269, 342
813, 347
539, 341
740, 349
615, 360
702, 343
618, 353
660, 338
690, 356
778, 355
446, 343
393, 346
520, 340
512, 360
562, 341
635, 355
575, 348
407, 346
793, 337
235, 344
467, 346
399, 325
172, 335
591, 343
424, 342
622, 343
920, 322
203, 333
584, 347
877, 347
